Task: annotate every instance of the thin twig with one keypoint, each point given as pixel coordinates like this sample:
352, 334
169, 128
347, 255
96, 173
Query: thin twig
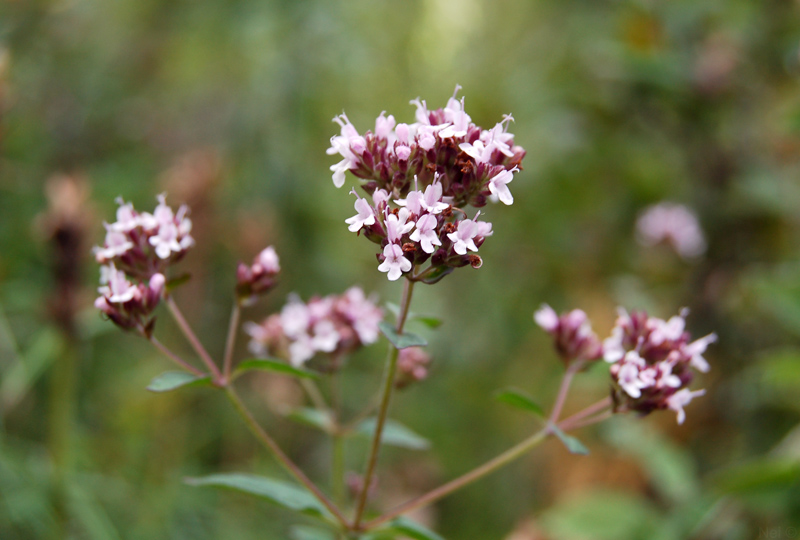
282, 458
192, 338
573, 368
231, 340
487, 468
175, 358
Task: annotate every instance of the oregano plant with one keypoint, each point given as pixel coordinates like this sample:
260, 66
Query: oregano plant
420, 190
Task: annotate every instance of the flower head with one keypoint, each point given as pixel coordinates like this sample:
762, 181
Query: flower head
572, 333
652, 362
334, 325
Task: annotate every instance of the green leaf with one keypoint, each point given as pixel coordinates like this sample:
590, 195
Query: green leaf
276, 366
177, 281
520, 400
602, 515
401, 341
283, 494
573, 445
406, 527
427, 320
303, 532
311, 417
394, 434
760, 476
170, 380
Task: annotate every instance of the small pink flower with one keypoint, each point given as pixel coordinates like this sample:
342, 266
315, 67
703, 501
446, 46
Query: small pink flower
464, 237
498, 185
426, 233
680, 399
398, 225
394, 263
364, 218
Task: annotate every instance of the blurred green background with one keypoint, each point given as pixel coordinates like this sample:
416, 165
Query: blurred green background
226, 105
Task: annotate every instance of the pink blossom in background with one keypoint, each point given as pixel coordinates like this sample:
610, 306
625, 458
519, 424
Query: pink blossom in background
673, 224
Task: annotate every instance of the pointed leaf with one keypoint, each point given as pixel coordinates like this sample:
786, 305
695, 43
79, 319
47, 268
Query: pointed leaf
407, 528
311, 417
573, 445
427, 320
394, 434
276, 366
177, 281
401, 341
520, 400
283, 494
170, 380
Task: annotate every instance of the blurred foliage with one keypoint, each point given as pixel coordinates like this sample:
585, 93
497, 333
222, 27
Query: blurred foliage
227, 106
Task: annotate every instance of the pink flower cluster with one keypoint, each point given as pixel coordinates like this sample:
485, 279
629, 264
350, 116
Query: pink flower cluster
651, 362
572, 333
335, 325
651, 359
129, 305
419, 176
673, 224
143, 244
137, 250
258, 278
412, 366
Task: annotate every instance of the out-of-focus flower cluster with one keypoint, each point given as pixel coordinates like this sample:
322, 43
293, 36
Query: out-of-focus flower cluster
138, 249
412, 366
335, 325
143, 244
673, 224
419, 177
572, 334
652, 360
258, 278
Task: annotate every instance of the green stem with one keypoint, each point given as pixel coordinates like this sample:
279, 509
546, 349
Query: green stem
192, 338
574, 421
282, 458
487, 468
231, 341
337, 468
388, 385
175, 358
573, 368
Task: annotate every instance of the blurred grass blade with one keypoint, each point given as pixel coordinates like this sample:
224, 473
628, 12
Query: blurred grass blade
519, 399
90, 513
46, 346
171, 380
281, 493
275, 366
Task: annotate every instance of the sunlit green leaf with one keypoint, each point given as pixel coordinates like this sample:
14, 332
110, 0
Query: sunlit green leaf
573, 445
275, 366
394, 434
520, 400
278, 492
170, 380
401, 341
